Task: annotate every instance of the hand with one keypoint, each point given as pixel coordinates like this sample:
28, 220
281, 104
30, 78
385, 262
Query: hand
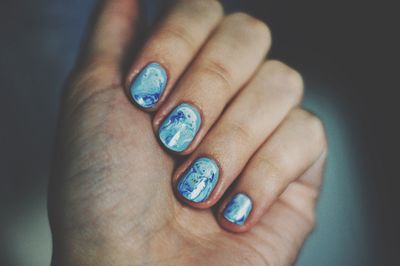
111, 198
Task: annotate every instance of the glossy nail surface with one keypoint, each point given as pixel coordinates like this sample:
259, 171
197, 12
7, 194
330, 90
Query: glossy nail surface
197, 183
148, 85
238, 209
180, 127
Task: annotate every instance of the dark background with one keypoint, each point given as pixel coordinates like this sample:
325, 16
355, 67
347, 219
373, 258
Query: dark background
347, 53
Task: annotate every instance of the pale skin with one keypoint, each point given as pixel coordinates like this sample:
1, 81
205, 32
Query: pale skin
112, 196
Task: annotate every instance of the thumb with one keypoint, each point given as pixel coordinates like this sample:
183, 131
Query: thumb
113, 32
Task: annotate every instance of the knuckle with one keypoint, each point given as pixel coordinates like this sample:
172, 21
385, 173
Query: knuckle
94, 74
207, 7
251, 24
287, 78
272, 166
314, 125
240, 132
239, 16
180, 33
325, 148
310, 215
277, 164
219, 73
312, 221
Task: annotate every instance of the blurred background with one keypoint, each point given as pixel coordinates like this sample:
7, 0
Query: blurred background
346, 51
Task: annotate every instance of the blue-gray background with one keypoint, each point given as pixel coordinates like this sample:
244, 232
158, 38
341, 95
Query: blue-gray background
337, 46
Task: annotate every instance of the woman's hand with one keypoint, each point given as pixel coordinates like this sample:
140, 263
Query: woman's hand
122, 193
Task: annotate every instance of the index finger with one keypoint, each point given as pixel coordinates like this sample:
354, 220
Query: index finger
170, 49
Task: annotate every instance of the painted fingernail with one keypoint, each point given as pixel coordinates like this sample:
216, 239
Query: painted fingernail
180, 127
148, 85
197, 183
238, 209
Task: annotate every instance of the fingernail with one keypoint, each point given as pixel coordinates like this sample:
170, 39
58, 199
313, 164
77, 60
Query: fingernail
197, 183
180, 127
238, 209
148, 85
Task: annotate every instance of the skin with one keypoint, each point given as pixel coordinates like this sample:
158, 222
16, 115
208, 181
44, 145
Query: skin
112, 196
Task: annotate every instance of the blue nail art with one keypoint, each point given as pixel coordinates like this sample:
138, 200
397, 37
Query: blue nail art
180, 127
148, 85
197, 183
238, 209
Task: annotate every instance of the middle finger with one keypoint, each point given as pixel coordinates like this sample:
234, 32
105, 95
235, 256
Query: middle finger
225, 63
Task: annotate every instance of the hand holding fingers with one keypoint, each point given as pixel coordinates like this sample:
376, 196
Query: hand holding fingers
252, 152
257, 134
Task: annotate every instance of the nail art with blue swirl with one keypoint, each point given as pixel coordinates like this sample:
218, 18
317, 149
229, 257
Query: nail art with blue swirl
197, 183
148, 85
238, 209
180, 127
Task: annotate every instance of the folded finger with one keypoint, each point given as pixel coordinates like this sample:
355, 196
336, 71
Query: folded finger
288, 153
248, 121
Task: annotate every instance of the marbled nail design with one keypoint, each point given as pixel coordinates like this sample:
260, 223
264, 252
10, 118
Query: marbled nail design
197, 183
238, 209
180, 127
148, 85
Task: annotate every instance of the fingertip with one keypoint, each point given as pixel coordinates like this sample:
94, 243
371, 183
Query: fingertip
179, 126
197, 181
146, 85
226, 217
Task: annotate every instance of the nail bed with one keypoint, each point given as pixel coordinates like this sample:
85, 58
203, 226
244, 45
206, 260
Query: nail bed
180, 127
238, 209
197, 183
149, 84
